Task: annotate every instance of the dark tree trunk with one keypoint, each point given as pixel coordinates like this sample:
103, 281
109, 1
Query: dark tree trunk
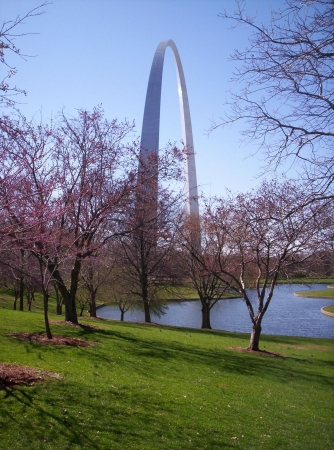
29, 301
59, 301
146, 303
147, 310
70, 309
46, 318
59, 308
206, 315
68, 295
70, 306
21, 293
30, 298
255, 336
92, 309
122, 315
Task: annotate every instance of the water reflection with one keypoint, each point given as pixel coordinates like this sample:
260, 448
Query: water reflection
287, 315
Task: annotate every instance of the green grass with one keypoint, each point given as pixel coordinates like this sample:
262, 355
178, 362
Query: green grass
306, 281
329, 309
177, 292
166, 293
322, 293
156, 387
185, 293
7, 301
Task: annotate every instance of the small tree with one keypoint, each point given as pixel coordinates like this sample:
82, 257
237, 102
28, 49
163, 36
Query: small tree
97, 275
200, 264
122, 293
257, 235
152, 217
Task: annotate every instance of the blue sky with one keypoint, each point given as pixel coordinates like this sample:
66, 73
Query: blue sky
90, 52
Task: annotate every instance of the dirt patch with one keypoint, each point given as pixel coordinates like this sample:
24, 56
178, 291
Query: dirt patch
259, 352
12, 375
42, 338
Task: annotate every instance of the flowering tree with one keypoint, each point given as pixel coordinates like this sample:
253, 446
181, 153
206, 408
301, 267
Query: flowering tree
64, 191
96, 175
256, 236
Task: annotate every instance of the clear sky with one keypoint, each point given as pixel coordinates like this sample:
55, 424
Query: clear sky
90, 52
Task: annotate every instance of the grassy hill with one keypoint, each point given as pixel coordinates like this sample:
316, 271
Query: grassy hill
159, 387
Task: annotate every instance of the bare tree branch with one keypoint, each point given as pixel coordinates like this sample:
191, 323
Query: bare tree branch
9, 33
283, 87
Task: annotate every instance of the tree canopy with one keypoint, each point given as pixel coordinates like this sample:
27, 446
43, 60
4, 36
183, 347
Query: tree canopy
283, 86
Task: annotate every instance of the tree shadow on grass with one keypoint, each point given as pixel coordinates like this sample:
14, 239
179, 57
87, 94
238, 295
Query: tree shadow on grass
61, 415
224, 359
171, 354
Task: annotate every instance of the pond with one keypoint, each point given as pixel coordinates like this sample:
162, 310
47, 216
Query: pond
287, 315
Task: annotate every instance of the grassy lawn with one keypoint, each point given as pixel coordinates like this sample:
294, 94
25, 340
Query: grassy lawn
307, 281
177, 292
321, 293
158, 387
169, 293
185, 293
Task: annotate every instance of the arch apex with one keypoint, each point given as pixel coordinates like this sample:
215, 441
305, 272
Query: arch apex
151, 121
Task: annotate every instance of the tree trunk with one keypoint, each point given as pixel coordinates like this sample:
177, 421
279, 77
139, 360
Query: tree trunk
46, 318
16, 296
59, 309
59, 301
122, 315
68, 296
29, 301
255, 336
147, 311
144, 290
21, 294
206, 315
30, 298
70, 306
92, 309
70, 309
21, 282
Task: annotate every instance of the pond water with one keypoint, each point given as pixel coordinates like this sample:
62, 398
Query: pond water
287, 315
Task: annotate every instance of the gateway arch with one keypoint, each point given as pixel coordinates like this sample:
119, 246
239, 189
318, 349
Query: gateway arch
151, 121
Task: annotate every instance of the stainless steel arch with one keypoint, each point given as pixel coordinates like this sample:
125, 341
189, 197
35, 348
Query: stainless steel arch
151, 121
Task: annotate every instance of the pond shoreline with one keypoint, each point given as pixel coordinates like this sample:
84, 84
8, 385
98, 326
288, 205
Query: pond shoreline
288, 315
327, 313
